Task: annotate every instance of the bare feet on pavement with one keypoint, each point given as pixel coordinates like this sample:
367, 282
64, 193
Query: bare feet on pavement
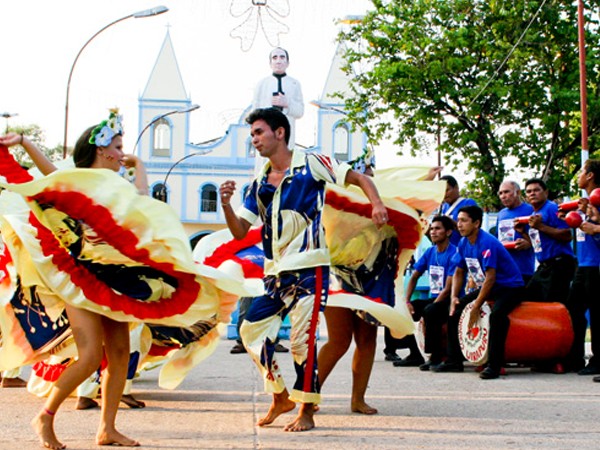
132, 402
86, 403
43, 425
363, 408
304, 420
106, 437
281, 404
13, 383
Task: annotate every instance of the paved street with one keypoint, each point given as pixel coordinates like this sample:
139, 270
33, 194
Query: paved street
219, 403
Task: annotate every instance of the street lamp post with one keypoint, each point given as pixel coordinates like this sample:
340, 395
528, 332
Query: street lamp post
137, 15
163, 191
156, 119
582, 83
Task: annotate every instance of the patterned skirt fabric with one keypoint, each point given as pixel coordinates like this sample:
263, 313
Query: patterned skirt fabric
370, 261
84, 237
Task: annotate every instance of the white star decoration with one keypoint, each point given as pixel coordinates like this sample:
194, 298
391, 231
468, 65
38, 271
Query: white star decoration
265, 14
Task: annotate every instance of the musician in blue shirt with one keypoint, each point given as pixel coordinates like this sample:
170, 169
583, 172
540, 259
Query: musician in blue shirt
497, 278
550, 237
520, 248
452, 204
586, 284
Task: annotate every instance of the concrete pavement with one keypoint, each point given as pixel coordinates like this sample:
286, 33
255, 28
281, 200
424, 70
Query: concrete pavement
218, 404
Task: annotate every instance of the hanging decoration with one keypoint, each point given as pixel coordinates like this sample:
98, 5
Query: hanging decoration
265, 15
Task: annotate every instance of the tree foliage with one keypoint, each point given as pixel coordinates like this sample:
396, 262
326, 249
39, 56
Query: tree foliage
443, 63
35, 135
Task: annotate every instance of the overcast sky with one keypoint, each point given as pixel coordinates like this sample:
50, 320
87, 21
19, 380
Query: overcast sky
41, 39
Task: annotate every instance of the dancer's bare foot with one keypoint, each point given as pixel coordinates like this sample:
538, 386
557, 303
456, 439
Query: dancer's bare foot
86, 403
281, 404
363, 408
304, 420
113, 437
43, 425
132, 402
13, 383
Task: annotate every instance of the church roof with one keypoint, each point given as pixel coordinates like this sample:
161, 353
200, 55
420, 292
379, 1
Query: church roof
337, 81
165, 80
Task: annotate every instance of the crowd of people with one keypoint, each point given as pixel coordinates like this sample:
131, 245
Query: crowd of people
531, 257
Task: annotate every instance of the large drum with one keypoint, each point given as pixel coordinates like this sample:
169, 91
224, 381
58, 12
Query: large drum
538, 332
474, 342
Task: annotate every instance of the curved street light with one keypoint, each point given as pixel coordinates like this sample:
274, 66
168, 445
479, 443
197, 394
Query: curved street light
190, 108
163, 191
585, 153
137, 15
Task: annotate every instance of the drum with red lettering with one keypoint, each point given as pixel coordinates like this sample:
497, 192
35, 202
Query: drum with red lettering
474, 342
538, 332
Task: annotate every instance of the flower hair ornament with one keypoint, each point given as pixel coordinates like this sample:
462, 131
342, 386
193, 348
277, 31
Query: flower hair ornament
106, 130
366, 159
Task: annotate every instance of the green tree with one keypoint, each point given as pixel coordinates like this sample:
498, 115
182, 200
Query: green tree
446, 64
36, 135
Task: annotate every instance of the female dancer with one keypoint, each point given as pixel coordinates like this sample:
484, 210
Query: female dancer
95, 335
375, 279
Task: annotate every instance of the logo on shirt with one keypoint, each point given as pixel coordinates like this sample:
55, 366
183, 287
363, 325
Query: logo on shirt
486, 253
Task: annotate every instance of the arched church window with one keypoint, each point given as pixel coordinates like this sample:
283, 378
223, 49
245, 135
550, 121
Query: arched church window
159, 192
208, 200
341, 142
162, 138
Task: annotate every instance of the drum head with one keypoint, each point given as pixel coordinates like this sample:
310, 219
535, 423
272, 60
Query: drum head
474, 343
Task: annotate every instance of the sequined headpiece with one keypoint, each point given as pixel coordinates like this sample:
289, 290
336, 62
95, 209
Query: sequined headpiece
106, 130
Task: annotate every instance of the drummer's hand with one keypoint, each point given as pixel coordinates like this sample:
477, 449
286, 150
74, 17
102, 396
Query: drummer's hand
535, 220
593, 213
522, 244
474, 316
411, 308
453, 303
520, 227
589, 228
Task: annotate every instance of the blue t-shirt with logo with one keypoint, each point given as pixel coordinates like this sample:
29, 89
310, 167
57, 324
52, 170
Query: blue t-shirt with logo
487, 253
439, 265
525, 259
588, 249
544, 246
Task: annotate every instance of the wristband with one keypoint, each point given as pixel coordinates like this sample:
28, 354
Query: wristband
21, 141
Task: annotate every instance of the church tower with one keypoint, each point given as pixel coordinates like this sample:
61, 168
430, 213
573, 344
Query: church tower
166, 137
335, 136
185, 175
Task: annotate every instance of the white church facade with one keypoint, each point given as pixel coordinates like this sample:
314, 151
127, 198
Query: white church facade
186, 175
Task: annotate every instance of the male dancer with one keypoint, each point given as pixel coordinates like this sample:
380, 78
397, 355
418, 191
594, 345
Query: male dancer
288, 196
